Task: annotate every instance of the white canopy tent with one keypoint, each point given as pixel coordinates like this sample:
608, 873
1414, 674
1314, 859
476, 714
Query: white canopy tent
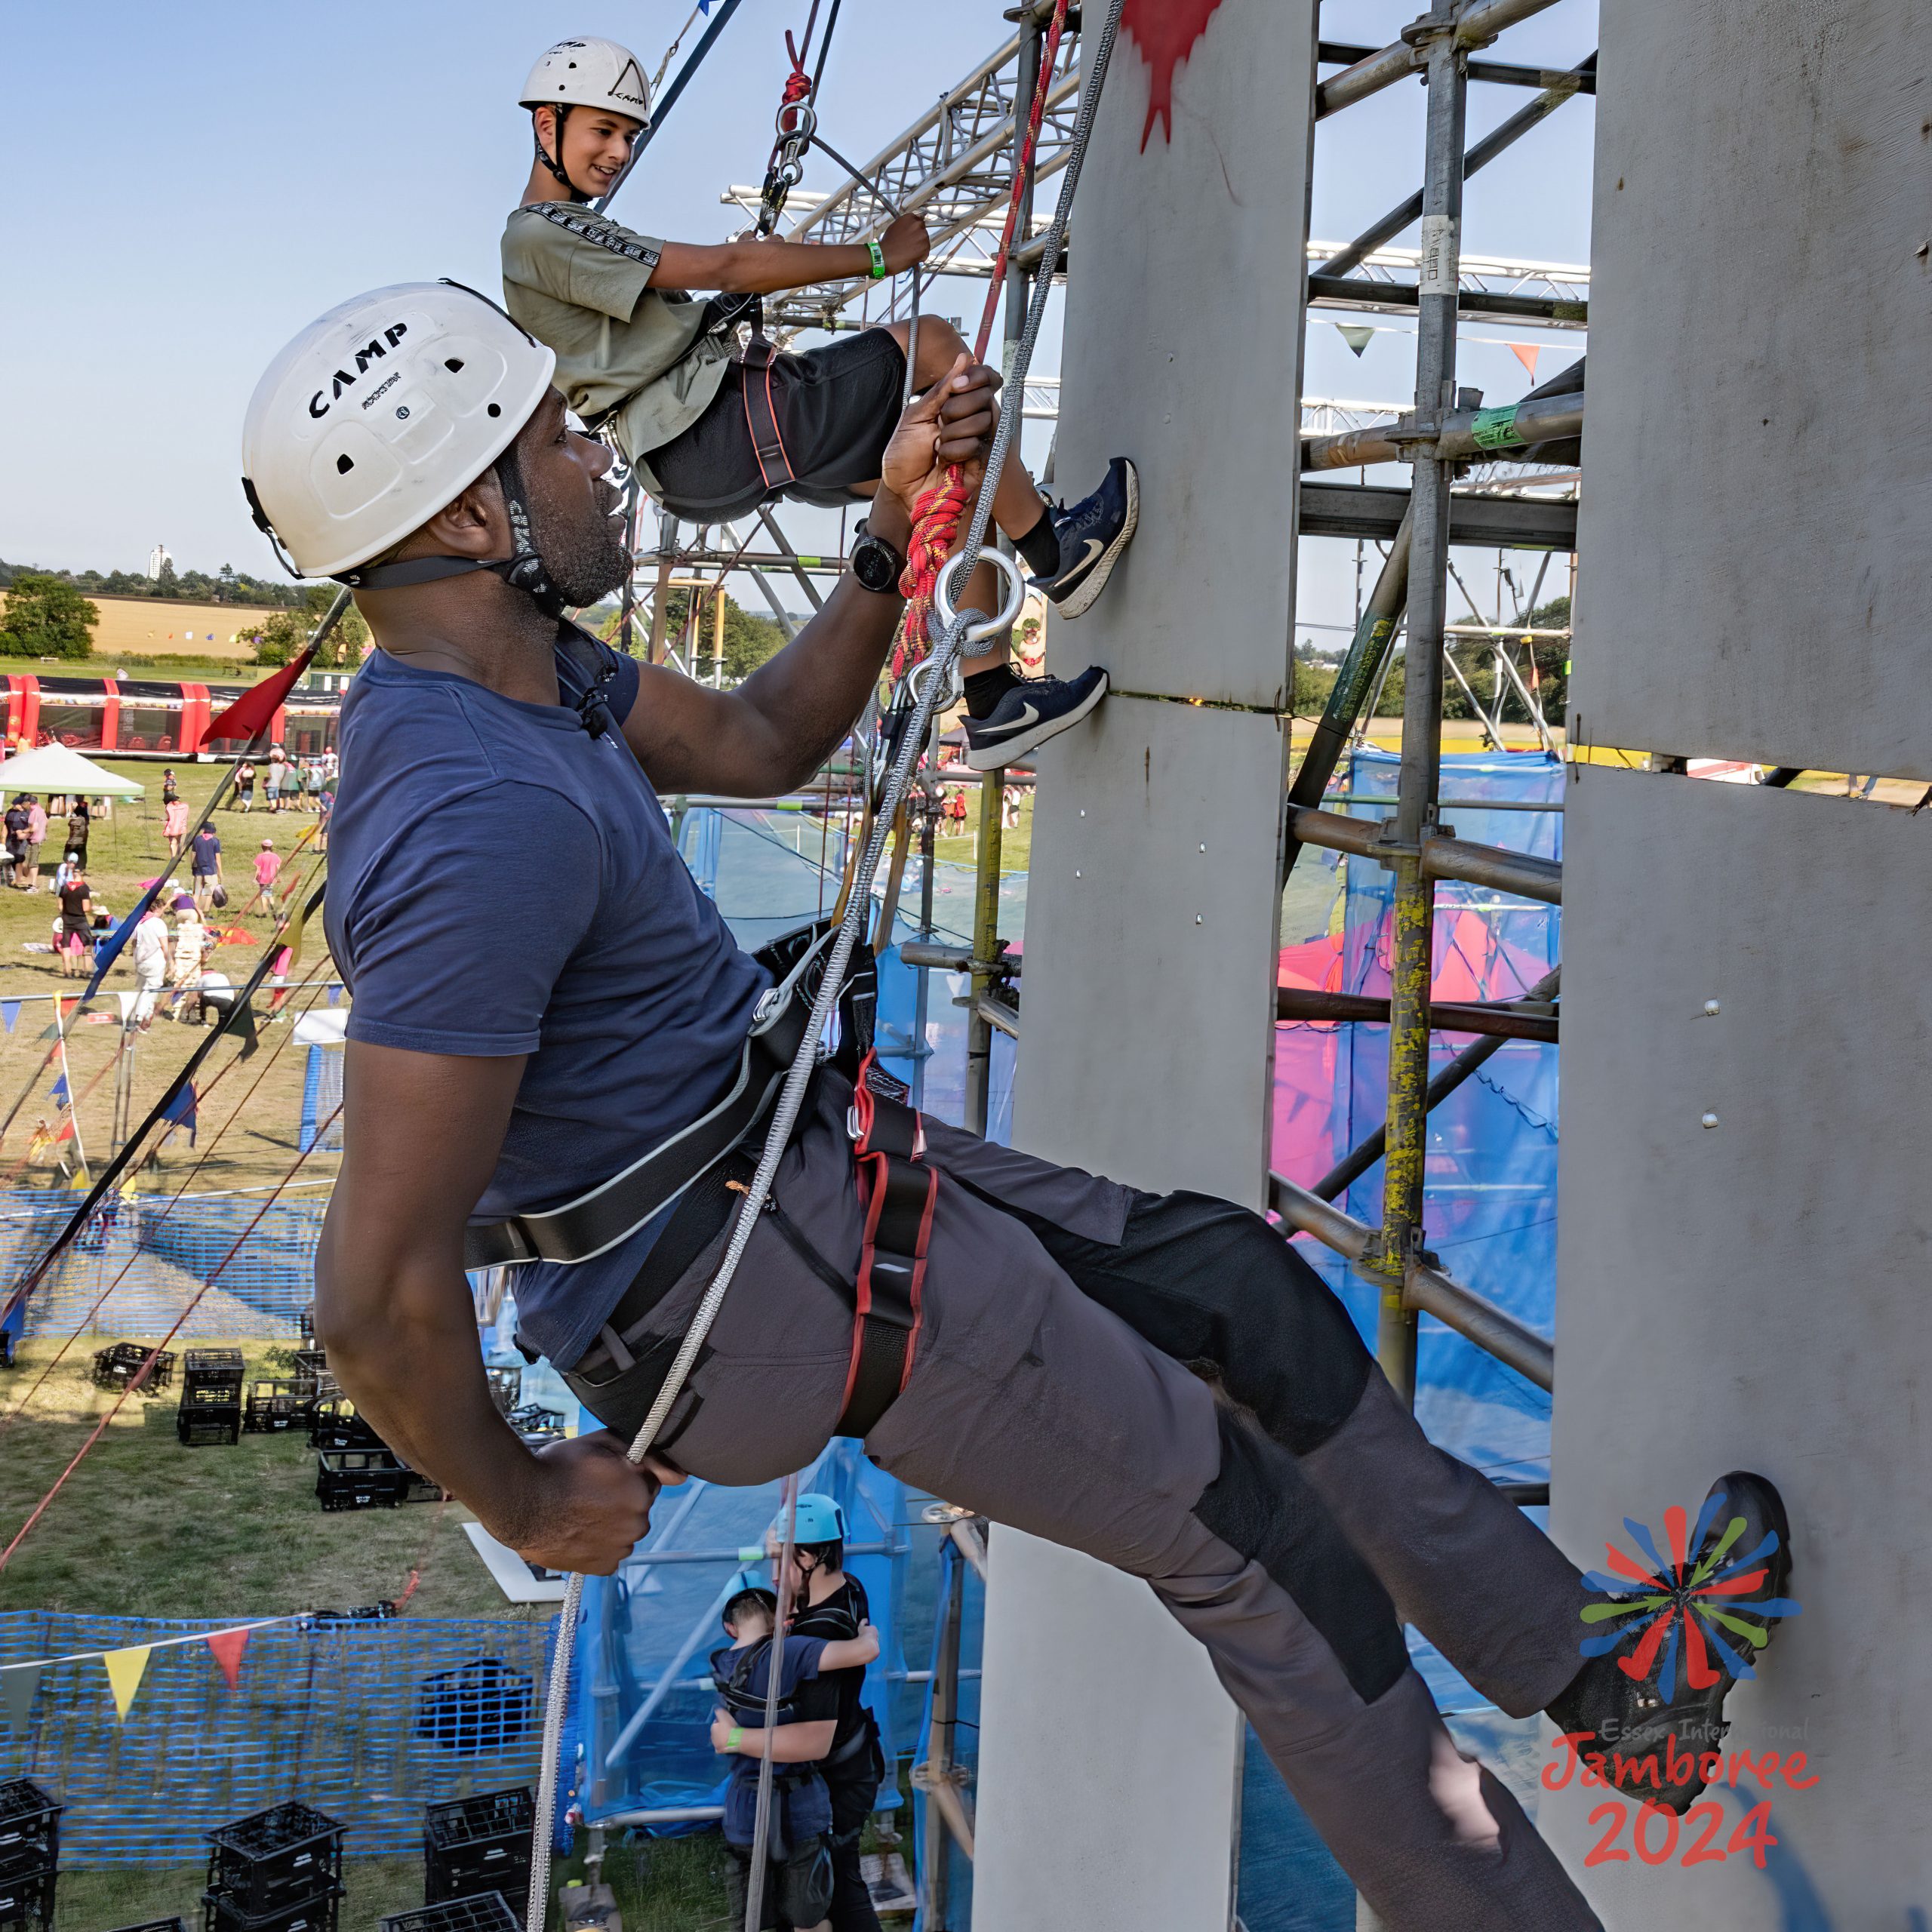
48, 769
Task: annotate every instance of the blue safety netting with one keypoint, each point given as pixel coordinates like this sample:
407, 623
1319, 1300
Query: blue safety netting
1490, 1190
368, 1722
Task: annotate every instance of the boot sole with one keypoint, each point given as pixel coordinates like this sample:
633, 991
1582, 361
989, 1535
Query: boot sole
1080, 599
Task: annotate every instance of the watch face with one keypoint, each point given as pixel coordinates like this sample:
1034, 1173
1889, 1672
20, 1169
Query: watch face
874, 564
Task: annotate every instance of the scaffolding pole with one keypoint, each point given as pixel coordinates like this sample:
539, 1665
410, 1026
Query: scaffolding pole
1398, 1248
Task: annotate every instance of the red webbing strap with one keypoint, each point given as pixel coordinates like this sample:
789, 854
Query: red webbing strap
899, 1191
774, 461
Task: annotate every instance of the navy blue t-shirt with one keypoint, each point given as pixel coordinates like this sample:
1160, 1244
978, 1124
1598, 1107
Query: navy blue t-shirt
502, 882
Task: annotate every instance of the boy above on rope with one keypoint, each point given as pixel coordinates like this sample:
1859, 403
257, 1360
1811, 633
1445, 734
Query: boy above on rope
713, 435
799, 1890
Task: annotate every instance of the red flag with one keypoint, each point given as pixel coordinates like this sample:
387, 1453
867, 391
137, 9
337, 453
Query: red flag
1527, 353
250, 713
228, 1646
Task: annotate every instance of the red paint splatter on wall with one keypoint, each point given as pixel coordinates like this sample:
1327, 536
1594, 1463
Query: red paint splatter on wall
1165, 31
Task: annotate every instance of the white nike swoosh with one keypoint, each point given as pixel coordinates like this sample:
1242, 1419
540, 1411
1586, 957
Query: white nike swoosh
1028, 715
1094, 548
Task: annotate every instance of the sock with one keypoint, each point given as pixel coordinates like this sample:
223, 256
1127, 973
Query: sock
1041, 547
984, 690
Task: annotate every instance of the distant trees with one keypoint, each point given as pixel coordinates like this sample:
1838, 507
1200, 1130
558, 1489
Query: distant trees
44, 617
227, 586
279, 639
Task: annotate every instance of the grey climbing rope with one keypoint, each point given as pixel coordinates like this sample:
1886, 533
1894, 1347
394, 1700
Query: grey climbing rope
792, 1097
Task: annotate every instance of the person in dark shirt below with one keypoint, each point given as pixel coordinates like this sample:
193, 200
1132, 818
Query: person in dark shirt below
799, 1882
832, 1605
76, 940
204, 862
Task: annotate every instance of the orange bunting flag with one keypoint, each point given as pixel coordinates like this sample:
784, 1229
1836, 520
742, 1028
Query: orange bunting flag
125, 1669
1527, 353
228, 1646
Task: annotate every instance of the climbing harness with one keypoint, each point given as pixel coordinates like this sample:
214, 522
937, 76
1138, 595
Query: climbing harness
958, 629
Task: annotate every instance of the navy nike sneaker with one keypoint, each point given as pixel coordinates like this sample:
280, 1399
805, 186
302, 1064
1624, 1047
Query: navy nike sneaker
1033, 710
1092, 535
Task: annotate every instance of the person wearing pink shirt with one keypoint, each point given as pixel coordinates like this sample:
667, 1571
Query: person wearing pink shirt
36, 832
268, 866
174, 825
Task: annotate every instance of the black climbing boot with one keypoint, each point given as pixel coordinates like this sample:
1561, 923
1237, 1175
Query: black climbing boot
1654, 1704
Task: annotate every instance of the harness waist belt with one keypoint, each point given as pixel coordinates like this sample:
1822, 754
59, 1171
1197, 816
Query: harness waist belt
595, 1223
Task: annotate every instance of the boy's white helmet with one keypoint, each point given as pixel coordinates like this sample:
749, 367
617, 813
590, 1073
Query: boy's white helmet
381, 413
589, 73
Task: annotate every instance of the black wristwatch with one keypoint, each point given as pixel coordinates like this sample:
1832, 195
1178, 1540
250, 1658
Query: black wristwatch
876, 565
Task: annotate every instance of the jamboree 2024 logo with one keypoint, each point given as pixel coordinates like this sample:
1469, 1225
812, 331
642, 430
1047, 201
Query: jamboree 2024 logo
1684, 1619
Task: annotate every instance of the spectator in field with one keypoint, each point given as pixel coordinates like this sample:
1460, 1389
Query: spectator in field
171, 788
191, 947
324, 805
278, 777
36, 837
76, 940
152, 957
244, 786
278, 981
204, 863
78, 820
16, 824
268, 865
174, 824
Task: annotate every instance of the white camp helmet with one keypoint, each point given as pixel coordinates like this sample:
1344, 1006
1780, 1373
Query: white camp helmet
381, 413
589, 73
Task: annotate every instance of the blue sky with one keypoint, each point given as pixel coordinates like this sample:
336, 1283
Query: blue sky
227, 171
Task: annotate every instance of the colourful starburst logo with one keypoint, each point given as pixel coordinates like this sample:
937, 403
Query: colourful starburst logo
1683, 1608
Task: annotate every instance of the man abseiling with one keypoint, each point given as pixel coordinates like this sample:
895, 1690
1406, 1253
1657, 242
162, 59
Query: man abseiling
1160, 1381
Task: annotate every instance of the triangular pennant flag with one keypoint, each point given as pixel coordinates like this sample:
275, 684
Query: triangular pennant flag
251, 715
10, 1011
125, 1672
108, 950
228, 1646
181, 1110
1526, 353
17, 1686
60, 1090
1355, 335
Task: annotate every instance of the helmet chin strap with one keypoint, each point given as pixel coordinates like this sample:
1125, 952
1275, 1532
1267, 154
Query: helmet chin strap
556, 166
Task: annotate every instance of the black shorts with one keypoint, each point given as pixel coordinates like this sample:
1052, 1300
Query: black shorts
837, 407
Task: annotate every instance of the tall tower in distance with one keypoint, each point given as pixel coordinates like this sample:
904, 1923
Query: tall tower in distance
157, 557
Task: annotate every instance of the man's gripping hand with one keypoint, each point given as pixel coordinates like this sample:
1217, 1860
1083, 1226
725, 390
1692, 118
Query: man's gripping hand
906, 242
587, 1507
953, 421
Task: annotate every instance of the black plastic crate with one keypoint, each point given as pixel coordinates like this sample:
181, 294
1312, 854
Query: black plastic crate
275, 1858
273, 1407
154, 1925
334, 1424
6, 1348
310, 1367
358, 1479
116, 1366
492, 1912
505, 1385
534, 1423
474, 1846
207, 1428
27, 1900
212, 1379
29, 1827
320, 1913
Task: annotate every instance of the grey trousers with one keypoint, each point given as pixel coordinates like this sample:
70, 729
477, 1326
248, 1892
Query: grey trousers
1280, 1501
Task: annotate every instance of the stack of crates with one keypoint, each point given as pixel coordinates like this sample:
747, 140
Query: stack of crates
535, 1423
334, 1424
310, 1367
30, 1855
491, 1913
116, 1367
506, 1386
275, 1407
368, 1479
277, 1871
475, 1846
211, 1409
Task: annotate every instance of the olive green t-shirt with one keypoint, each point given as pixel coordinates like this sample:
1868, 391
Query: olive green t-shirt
577, 281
